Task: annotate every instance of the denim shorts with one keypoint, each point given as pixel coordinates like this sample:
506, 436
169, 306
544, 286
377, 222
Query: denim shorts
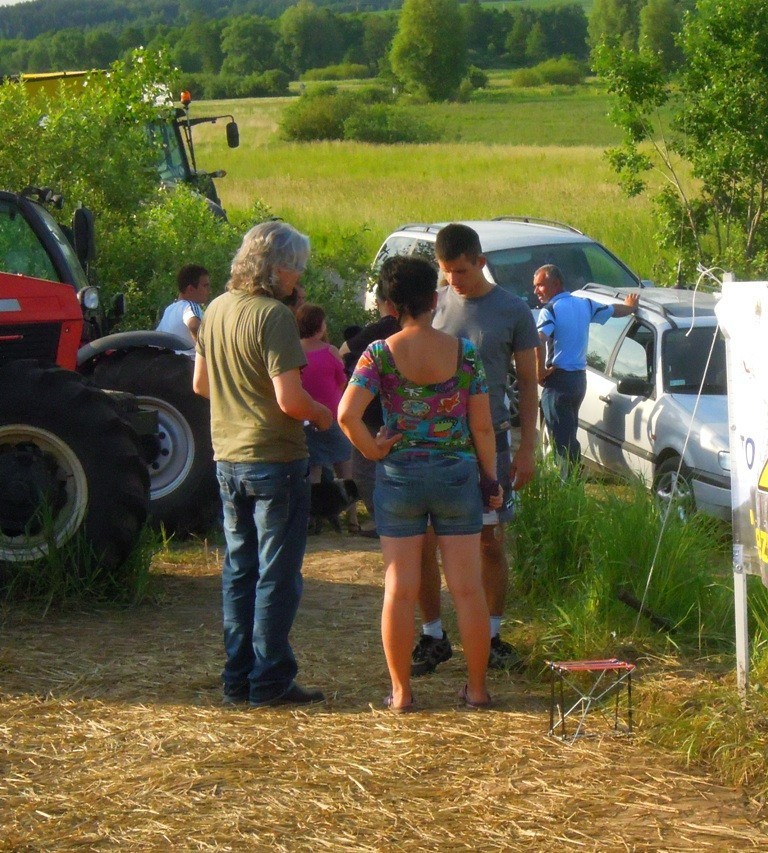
327, 447
415, 488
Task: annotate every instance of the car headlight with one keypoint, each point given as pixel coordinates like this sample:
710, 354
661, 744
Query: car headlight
89, 298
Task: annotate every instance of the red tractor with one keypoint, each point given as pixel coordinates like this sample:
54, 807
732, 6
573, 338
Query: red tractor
78, 453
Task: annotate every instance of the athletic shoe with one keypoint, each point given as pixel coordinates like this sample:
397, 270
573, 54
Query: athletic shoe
504, 656
428, 653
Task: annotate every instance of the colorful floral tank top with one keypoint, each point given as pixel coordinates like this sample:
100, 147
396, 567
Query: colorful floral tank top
432, 417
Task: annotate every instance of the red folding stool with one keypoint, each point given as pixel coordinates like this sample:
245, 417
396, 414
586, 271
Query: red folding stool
587, 692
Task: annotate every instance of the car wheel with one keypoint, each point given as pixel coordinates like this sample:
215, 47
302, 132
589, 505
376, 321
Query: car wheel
673, 487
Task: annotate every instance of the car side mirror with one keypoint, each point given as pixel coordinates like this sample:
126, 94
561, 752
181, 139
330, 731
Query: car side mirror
634, 387
233, 134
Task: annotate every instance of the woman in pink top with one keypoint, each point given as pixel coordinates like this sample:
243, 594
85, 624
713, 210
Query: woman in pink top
324, 380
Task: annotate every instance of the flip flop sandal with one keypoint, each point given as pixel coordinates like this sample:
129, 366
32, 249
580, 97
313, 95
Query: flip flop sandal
399, 709
466, 702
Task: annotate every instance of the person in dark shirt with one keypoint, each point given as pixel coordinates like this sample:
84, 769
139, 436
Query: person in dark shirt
364, 470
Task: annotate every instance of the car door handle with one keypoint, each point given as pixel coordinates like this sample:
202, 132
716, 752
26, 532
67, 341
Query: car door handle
604, 399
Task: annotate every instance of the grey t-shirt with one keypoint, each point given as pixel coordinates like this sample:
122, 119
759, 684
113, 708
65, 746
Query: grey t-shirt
499, 324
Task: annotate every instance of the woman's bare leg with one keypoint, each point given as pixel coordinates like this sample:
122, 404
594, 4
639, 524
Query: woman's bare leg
461, 567
402, 558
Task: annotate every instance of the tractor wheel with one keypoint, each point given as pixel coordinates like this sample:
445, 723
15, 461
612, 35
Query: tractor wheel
184, 493
68, 463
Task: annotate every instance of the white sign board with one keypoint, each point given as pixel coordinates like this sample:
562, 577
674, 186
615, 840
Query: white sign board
743, 315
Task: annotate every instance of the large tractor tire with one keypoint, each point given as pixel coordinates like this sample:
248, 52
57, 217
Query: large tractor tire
184, 493
68, 463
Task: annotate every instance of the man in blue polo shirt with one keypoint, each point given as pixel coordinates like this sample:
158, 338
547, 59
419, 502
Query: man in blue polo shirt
563, 326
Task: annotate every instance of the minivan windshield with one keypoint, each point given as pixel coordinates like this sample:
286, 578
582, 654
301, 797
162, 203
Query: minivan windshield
581, 263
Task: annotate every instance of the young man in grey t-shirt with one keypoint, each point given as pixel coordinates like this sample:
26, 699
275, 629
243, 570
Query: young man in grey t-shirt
502, 327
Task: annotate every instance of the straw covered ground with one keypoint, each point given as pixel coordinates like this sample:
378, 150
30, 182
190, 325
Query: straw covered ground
112, 736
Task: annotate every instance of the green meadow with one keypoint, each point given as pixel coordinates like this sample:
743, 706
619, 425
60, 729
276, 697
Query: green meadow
533, 152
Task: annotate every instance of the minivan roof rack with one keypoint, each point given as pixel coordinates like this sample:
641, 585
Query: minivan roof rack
534, 221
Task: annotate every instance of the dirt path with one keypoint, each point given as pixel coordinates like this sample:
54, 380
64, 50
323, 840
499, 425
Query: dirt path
112, 736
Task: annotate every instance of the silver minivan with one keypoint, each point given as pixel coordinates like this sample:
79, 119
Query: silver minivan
656, 403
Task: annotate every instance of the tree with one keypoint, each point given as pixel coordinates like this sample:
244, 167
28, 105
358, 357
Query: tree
719, 217
429, 52
310, 37
615, 20
248, 44
660, 24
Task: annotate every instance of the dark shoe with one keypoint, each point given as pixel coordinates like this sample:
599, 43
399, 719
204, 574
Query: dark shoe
237, 696
428, 653
294, 695
504, 656
399, 709
466, 702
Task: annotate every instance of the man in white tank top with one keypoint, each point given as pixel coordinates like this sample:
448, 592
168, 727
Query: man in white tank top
183, 316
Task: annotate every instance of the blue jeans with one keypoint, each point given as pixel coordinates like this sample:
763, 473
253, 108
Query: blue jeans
561, 399
266, 509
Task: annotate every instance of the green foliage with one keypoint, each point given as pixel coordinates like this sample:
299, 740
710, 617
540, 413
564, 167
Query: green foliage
386, 124
344, 71
62, 140
429, 52
364, 116
338, 263
617, 21
563, 71
318, 115
70, 573
141, 255
711, 211
525, 78
578, 551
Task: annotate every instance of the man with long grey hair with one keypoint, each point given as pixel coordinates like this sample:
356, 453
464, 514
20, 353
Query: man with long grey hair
248, 362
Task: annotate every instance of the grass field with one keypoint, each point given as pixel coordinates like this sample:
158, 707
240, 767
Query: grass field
536, 153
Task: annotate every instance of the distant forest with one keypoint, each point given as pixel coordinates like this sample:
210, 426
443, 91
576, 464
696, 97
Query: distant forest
31, 19
252, 48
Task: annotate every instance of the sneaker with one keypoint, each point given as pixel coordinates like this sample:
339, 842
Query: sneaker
428, 653
235, 696
294, 695
504, 656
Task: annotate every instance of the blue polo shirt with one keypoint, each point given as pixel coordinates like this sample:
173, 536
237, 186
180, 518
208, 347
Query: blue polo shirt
565, 321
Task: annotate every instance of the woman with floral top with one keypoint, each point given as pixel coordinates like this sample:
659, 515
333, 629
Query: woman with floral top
436, 456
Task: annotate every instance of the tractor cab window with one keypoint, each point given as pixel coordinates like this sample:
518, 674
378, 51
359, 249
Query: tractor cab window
21, 252
172, 163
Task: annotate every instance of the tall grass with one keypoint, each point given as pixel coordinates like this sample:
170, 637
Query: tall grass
71, 573
580, 554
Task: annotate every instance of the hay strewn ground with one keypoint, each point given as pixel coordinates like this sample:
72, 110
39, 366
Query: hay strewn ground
112, 736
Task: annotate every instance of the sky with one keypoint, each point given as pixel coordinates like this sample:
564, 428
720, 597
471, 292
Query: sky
10, 2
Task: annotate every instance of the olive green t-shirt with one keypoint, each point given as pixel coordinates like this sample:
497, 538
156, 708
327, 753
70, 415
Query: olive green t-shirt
246, 340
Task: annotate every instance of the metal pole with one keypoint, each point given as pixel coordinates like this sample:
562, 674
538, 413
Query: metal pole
742, 630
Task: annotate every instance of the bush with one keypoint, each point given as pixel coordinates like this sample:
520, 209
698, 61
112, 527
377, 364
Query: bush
385, 124
345, 71
478, 79
525, 78
140, 257
317, 116
563, 71
268, 84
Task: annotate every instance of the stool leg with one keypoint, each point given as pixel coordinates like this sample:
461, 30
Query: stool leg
629, 701
552, 703
562, 708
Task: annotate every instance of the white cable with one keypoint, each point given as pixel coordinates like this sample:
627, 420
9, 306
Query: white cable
685, 447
